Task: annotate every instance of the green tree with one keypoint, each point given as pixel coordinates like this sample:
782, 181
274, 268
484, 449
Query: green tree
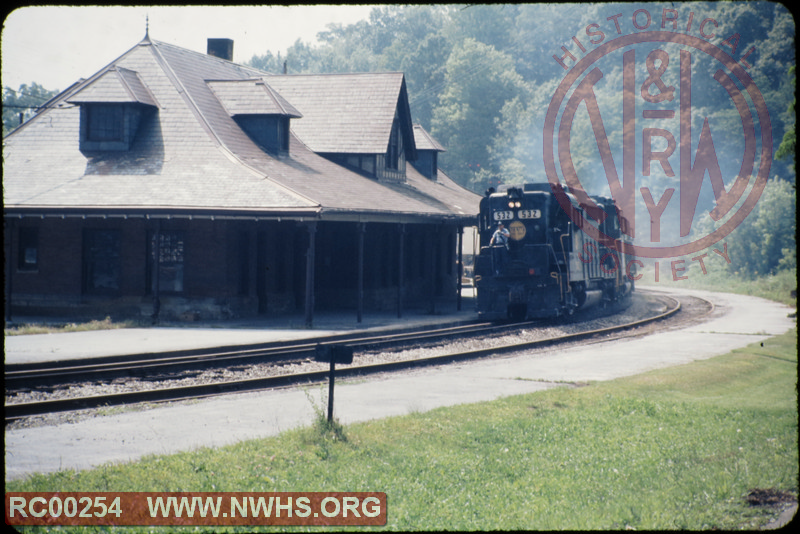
420, 50
269, 62
540, 30
480, 78
479, 82
300, 58
773, 229
768, 29
516, 149
21, 105
788, 144
490, 24
764, 243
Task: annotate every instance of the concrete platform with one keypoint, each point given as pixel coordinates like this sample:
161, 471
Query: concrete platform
737, 321
95, 344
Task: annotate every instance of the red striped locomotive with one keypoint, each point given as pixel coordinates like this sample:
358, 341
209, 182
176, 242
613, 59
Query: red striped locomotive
543, 264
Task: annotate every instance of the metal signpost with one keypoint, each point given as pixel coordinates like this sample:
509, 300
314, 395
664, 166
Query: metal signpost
333, 354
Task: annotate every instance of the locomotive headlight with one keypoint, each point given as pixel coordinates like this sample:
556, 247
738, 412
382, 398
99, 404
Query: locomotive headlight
517, 204
511, 204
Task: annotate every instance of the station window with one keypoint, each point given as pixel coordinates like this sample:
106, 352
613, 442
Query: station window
166, 265
101, 261
28, 253
393, 152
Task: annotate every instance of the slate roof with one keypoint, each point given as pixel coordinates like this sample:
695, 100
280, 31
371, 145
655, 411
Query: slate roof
344, 113
190, 157
116, 85
252, 97
424, 141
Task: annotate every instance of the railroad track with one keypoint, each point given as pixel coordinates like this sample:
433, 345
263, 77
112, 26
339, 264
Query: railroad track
29, 375
304, 349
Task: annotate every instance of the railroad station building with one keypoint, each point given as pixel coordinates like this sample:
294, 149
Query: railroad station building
180, 185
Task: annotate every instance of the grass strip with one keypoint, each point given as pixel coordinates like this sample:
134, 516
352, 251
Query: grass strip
778, 287
676, 448
59, 328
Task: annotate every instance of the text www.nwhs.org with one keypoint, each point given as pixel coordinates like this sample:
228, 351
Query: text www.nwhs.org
263, 507
196, 508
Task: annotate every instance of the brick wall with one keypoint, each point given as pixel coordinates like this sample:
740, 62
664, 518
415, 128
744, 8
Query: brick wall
230, 268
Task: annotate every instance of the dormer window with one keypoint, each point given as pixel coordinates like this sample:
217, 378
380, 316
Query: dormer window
259, 110
395, 148
270, 132
106, 127
105, 122
360, 121
428, 150
112, 107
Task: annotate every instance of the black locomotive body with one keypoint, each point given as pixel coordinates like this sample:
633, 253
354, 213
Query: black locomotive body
549, 266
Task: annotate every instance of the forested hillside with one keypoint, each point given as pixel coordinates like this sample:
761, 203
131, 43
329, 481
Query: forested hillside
481, 78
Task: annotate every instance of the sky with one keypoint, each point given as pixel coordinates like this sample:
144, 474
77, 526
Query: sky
55, 46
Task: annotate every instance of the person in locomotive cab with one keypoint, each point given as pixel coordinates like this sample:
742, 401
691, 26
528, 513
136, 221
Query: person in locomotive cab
499, 244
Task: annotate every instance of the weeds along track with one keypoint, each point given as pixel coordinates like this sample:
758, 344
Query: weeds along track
36, 390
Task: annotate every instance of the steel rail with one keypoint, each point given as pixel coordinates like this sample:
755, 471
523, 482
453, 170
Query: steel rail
17, 411
17, 375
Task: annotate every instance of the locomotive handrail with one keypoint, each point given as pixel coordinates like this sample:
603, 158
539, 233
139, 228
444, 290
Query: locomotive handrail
566, 260
492, 248
560, 273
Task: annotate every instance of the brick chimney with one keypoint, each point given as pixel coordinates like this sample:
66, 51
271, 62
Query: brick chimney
221, 48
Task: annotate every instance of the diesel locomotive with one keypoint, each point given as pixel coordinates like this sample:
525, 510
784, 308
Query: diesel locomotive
540, 263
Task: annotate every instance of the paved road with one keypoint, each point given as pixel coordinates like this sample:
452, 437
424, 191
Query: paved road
737, 321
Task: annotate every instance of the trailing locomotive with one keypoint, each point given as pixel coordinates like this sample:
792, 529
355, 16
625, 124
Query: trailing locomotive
546, 265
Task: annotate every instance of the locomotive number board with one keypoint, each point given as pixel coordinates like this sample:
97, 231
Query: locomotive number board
507, 215
529, 214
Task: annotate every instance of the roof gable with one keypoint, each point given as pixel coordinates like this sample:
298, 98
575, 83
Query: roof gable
424, 141
251, 97
347, 113
118, 86
192, 154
